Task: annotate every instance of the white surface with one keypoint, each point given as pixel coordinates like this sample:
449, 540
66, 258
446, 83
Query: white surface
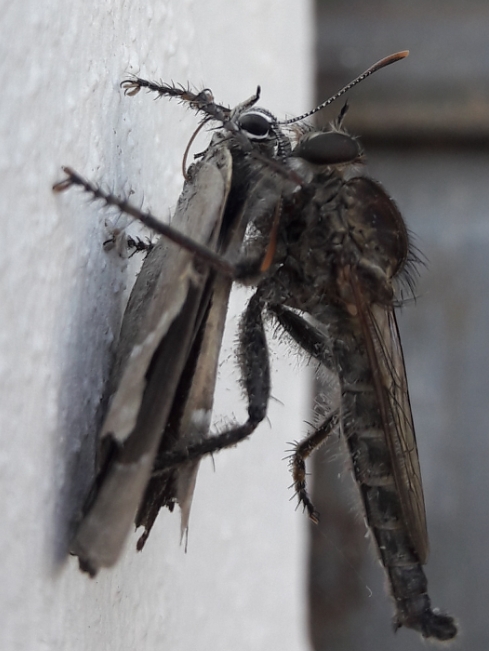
241, 584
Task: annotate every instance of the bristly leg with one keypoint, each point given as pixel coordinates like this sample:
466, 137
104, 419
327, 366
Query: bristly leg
132, 244
309, 338
256, 380
298, 461
202, 101
314, 342
149, 220
137, 245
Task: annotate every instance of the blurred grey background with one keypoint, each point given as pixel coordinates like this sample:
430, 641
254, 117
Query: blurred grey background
424, 124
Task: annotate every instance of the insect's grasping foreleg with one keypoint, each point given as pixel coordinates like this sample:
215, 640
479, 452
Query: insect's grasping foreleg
202, 252
239, 271
202, 101
199, 101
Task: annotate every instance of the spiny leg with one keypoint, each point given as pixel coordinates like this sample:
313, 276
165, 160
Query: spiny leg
298, 461
137, 245
309, 338
313, 342
202, 101
255, 369
201, 252
132, 244
199, 101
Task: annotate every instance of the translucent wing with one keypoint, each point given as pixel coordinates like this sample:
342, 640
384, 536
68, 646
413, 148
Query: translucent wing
386, 359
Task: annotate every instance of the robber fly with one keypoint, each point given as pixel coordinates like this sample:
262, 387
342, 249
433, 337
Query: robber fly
278, 207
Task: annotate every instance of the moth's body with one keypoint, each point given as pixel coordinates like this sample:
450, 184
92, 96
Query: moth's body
323, 250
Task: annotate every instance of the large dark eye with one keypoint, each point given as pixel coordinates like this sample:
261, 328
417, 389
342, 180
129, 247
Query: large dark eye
257, 126
327, 148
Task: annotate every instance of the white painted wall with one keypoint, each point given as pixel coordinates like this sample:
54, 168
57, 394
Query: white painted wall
241, 584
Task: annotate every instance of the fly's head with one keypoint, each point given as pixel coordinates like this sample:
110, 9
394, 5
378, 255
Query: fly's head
322, 153
323, 148
344, 221
328, 147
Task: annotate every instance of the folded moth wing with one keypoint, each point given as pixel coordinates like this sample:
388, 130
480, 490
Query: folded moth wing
157, 334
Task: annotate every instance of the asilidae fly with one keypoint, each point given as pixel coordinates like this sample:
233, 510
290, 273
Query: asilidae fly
275, 205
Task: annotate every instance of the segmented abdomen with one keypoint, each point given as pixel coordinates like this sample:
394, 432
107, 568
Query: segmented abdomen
372, 466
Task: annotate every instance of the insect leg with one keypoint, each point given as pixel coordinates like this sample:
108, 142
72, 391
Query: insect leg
309, 338
255, 369
312, 341
132, 244
202, 252
137, 245
201, 101
298, 461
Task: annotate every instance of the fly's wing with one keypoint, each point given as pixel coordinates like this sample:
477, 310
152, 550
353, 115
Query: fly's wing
386, 359
158, 331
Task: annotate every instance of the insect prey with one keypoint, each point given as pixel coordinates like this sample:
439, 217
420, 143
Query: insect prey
276, 205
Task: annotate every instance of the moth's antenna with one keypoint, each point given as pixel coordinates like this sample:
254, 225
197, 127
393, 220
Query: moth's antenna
377, 66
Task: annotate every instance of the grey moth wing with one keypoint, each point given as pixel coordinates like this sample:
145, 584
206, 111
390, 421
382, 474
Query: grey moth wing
157, 334
189, 419
255, 194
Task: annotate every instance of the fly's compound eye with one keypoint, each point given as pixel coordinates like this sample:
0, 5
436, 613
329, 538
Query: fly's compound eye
257, 125
327, 148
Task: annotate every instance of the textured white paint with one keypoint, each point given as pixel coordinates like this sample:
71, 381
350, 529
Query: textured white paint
241, 584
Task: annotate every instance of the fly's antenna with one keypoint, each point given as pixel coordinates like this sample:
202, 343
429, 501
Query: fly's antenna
386, 61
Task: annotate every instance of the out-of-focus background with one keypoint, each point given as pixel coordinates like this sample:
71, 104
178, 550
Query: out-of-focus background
424, 124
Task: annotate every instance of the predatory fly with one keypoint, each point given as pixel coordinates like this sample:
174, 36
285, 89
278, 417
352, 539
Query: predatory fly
275, 205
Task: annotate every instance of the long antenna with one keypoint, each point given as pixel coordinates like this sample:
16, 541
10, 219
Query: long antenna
370, 71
